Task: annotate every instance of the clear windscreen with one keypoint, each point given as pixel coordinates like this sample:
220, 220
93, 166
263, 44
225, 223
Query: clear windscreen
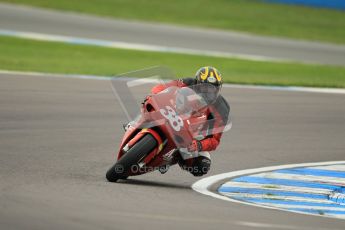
188, 102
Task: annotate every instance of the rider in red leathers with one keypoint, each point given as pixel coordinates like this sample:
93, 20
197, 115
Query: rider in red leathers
199, 162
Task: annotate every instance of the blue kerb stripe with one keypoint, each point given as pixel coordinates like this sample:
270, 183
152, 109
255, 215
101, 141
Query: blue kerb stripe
313, 172
224, 189
287, 202
331, 212
286, 182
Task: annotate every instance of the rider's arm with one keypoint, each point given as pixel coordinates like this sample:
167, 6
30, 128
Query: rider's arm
211, 143
220, 117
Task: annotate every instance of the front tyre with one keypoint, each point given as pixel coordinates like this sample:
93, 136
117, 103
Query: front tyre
122, 167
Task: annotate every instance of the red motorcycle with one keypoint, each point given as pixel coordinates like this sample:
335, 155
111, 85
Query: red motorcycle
168, 122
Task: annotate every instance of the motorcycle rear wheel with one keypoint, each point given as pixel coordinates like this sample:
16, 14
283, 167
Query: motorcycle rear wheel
122, 167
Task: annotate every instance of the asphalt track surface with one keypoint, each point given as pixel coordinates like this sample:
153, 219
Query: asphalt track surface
70, 24
58, 137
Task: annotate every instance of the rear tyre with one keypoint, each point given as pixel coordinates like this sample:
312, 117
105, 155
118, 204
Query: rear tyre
122, 167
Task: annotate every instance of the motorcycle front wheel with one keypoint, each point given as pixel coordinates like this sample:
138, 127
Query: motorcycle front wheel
122, 167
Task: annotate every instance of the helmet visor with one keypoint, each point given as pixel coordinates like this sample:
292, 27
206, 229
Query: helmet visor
208, 92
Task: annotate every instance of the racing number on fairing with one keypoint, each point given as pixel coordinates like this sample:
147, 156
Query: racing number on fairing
175, 121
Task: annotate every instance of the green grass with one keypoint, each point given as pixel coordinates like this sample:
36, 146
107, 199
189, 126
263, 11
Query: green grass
30, 55
252, 16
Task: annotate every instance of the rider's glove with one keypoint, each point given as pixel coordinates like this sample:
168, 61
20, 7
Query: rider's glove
195, 146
